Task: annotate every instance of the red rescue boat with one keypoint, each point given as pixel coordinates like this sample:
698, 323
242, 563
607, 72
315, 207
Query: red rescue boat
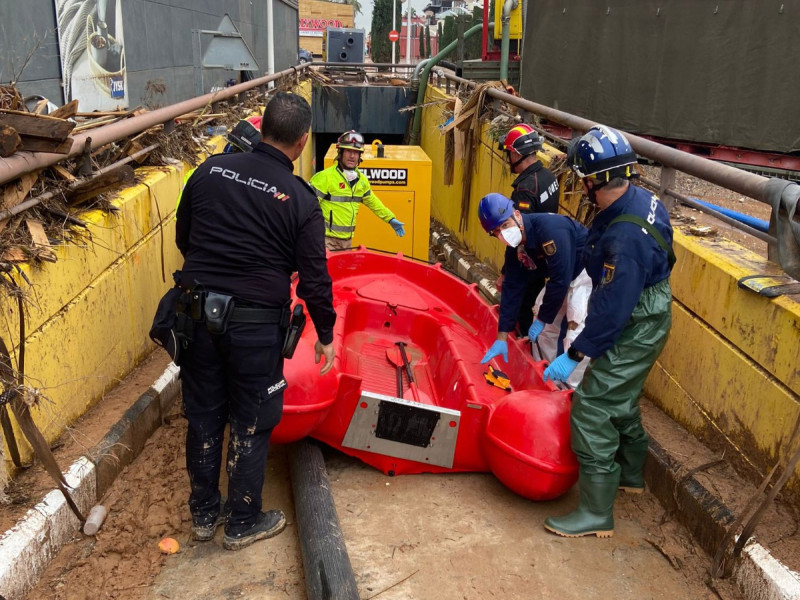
449, 419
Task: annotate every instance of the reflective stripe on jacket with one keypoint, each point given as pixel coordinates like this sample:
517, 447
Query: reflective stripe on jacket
340, 201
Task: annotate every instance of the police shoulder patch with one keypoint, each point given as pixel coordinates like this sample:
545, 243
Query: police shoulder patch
549, 248
608, 274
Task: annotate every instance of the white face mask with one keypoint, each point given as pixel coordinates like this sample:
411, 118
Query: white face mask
350, 174
512, 236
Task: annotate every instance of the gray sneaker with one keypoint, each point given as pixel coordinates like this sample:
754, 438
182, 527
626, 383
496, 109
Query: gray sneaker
268, 524
205, 533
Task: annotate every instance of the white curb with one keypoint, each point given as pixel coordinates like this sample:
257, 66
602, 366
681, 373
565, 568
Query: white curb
27, 548
761, 577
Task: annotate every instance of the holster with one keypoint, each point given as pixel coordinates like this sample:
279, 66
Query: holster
294, 331
217, 311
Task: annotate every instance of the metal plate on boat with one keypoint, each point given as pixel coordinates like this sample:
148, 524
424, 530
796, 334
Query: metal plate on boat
403, 429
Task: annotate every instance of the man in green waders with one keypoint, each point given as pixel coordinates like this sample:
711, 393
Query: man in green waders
629, 258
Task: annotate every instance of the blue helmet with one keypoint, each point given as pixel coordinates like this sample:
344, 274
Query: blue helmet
601, 149
493, 211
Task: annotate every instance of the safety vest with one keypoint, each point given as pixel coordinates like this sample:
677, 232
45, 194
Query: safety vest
340, 201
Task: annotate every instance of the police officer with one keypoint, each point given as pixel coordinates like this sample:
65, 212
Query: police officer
342, 188
535, 190
546, 244
629, 257
244, 224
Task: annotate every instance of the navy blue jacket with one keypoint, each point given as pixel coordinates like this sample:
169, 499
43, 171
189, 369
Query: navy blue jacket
245, 223
555, 244
535, 190
622, 261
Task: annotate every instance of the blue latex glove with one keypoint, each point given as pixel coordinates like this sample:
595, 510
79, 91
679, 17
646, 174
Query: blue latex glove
560, 369
398, 227
499, 347
535, 329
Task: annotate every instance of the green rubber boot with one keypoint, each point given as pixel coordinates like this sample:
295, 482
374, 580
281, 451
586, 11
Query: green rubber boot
631, 459
595, 512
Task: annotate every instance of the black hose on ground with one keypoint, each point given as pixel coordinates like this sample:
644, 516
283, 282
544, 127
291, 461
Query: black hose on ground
329, 575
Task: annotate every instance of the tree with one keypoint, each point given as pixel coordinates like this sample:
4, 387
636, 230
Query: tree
427, 41
448, 33
356, 4
421, 42
472, 47
381, 26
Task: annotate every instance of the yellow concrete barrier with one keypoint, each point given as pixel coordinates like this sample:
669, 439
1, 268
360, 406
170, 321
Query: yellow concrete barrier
88, 314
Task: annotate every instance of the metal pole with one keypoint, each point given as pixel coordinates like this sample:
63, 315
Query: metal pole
197, 60
394, 25
747, 184
271, 38
408, 33
25, 162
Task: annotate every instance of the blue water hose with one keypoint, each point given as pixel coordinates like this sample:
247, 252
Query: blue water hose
759, 224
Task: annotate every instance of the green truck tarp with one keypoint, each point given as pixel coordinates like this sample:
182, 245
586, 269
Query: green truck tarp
722, 72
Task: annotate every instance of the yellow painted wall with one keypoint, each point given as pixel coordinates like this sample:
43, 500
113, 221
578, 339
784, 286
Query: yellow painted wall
90, 311
730, 372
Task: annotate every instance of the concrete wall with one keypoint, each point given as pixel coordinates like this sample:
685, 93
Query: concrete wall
87, 327
729, 372
158, 43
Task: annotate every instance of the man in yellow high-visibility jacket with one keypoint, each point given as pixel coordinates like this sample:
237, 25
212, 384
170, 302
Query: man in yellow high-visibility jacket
342, 189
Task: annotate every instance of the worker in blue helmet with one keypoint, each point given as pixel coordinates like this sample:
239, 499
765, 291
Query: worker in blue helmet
536, 243
628, 255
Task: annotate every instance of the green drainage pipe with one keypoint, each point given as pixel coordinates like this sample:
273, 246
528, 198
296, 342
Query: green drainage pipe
415, 129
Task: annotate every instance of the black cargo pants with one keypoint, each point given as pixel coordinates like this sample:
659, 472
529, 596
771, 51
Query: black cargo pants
236, 376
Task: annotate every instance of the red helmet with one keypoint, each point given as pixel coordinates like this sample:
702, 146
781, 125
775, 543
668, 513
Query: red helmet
523, 139
350, 140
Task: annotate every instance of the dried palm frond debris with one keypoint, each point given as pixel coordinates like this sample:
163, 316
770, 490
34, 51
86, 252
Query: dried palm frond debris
43, 208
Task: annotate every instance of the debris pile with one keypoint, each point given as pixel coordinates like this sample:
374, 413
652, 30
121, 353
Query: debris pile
42, 208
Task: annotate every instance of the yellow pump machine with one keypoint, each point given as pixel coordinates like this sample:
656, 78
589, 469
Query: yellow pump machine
401, 179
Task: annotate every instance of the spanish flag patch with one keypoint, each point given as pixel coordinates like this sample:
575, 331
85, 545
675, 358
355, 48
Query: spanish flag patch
524, 206
608, 274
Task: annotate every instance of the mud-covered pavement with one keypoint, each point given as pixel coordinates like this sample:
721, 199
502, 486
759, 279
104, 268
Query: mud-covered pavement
448, 537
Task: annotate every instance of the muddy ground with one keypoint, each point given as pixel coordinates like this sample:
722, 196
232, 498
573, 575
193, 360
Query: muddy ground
456, 537
425, 536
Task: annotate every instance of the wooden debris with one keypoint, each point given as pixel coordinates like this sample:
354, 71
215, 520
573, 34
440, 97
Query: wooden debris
97, 185
702, 231
11, 98
9, 140
39, 133
33, 144
43, 126
15, 192
15, 254
40, 241
67, 111
62, 173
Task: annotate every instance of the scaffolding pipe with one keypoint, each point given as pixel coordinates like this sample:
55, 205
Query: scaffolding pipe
743, 182
24, 162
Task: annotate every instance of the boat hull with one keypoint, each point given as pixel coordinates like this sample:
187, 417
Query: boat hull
453, 420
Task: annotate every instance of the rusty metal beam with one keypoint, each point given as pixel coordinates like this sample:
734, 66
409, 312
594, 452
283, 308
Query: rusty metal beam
747, 184
24, 162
